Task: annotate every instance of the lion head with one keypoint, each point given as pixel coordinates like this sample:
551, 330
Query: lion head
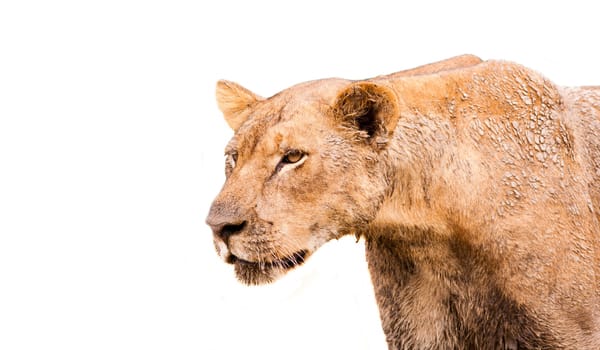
302, 168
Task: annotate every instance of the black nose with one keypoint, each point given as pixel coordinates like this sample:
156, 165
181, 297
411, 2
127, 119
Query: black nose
226, 230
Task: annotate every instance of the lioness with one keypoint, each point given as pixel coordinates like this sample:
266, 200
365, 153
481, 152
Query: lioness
476, 186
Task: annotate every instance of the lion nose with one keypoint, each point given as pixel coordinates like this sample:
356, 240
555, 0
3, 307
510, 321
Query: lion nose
225, 221
224, 230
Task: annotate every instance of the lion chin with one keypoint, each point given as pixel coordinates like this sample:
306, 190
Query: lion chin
263, 272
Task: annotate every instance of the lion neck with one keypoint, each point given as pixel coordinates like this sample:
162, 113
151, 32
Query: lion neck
431, 239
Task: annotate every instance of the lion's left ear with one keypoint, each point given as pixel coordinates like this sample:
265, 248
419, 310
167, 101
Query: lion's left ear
234, 101
370, 107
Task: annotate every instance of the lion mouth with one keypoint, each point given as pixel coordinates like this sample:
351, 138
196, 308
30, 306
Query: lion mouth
286, 263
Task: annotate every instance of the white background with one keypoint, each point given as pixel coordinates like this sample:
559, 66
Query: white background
111, 152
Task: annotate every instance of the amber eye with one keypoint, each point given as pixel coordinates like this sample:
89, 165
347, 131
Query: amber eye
292, 156
291, 159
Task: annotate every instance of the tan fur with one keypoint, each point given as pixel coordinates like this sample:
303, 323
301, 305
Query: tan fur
234, 100
476, 186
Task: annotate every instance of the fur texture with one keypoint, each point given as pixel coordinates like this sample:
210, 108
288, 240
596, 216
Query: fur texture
476, 186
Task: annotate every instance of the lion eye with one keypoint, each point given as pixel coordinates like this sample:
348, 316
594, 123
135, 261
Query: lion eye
292, 156
230, 162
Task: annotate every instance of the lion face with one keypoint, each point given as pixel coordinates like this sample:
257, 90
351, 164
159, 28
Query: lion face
302, 168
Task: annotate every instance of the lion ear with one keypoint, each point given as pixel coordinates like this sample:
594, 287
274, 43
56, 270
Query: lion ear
234, 101
371, 108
